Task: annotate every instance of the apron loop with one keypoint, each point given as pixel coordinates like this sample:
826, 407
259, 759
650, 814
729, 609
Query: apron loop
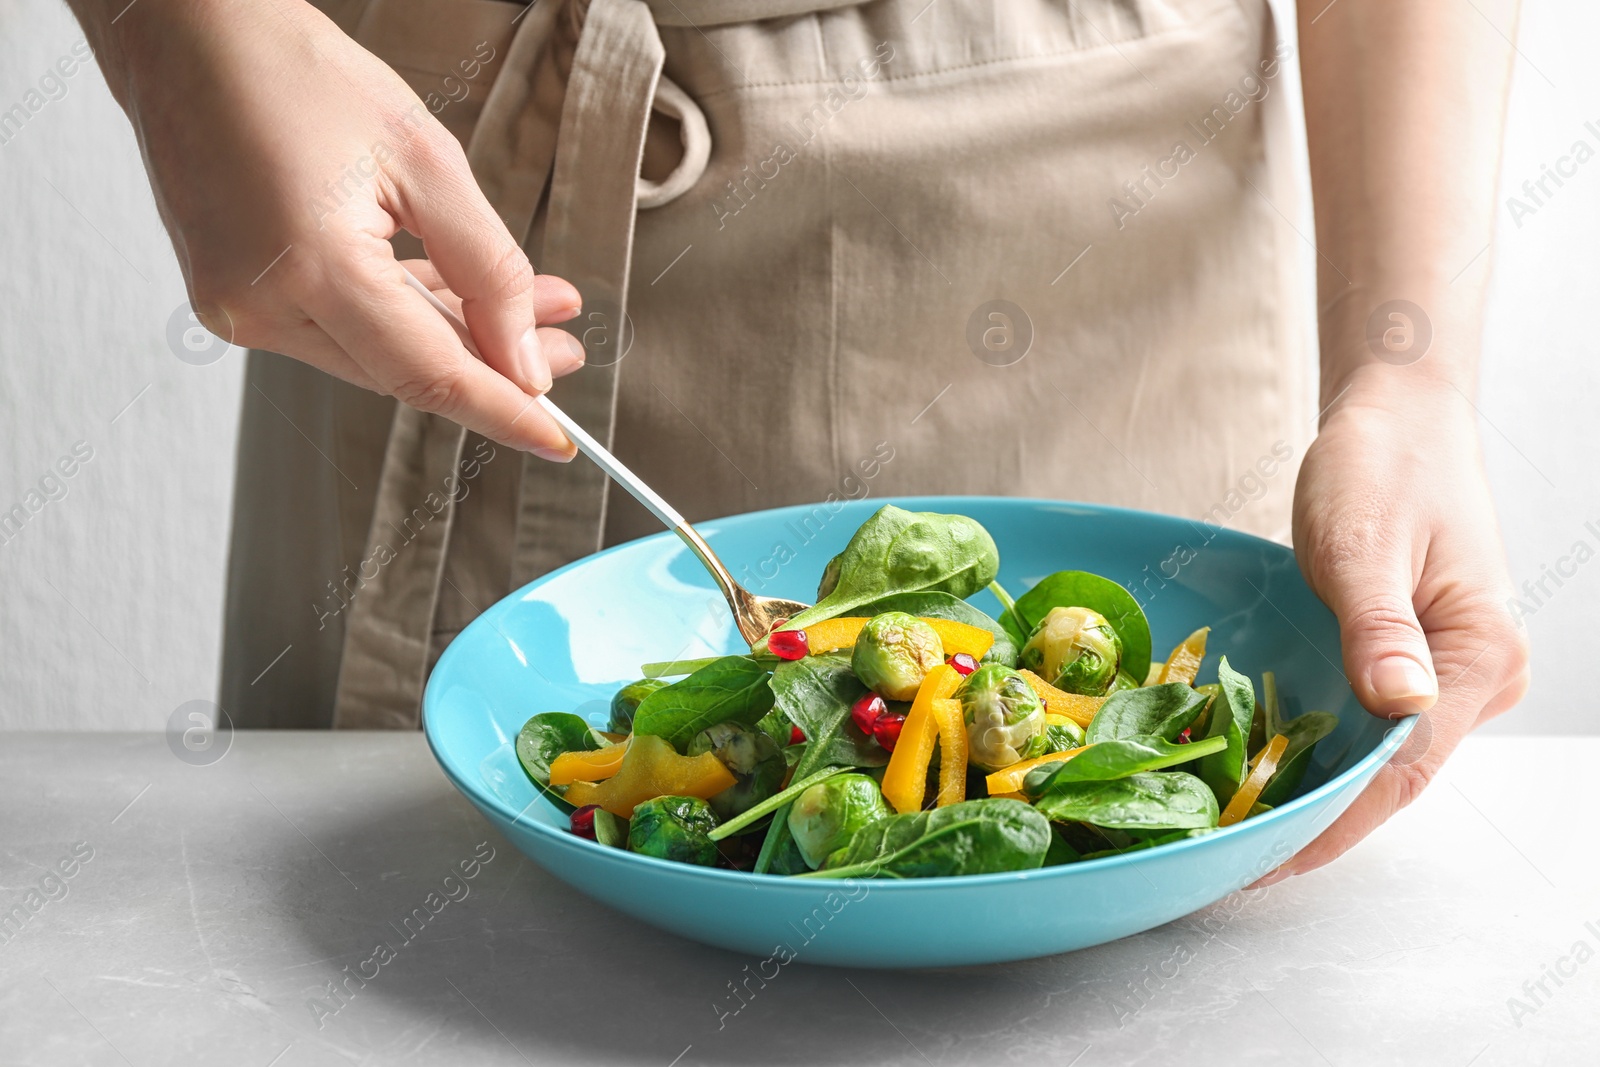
696, 136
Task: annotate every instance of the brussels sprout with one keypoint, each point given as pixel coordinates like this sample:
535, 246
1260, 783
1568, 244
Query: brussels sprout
894, 652
1076, 650
752, 756
674, 828
627, 701
826, 816
1004, 716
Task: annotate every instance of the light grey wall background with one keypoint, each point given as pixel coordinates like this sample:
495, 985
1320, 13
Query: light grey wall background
110, 596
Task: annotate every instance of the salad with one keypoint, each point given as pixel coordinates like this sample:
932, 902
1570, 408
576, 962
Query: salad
894, 730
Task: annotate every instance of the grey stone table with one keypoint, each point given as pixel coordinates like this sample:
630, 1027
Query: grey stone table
173, 913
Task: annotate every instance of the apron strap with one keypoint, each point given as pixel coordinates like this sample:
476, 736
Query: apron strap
389, 631
588, 239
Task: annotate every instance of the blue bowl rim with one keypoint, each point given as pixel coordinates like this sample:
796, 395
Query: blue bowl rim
1391, 741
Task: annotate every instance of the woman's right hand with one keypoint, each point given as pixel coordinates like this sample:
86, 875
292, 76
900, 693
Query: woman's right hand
283, 157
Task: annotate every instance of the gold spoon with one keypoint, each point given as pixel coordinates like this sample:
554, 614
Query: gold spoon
756, 616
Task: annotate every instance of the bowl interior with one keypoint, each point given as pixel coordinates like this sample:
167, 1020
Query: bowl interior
567, 641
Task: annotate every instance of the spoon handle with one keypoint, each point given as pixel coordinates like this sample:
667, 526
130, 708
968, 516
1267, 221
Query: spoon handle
613, 467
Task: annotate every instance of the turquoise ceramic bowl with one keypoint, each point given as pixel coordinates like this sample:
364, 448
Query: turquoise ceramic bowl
568, 640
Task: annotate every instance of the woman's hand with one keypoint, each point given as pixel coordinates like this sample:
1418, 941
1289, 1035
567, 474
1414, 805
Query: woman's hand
1395, 530
283, 157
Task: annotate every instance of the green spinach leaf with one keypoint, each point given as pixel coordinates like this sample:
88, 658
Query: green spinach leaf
610, 829
1303, 732
1069, 589
1167, 800
930, 605
544, 737
1149, 842
730, 689
970, 837
815, 693
899, 551
1231, 715
1154, 711
1116, 759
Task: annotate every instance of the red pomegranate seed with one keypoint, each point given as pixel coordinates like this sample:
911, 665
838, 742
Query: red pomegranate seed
886, 731
866, 711
963, 663
788, 644
796, 735
1184, 738
583, 821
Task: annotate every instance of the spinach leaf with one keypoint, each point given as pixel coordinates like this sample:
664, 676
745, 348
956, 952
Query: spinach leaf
1168, 800
815, 693
899, 551
1149, 842
1303, 732
1231, 715
1060, 851
1156, 710
1080, 589
970, 837
1116, 759
610, 829
931, 605
544, 737
731, 689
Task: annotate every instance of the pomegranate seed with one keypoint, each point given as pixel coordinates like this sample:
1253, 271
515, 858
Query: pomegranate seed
583, 821
866, 712
796, 735
963, 663
886, 731
788, 644
1184, 738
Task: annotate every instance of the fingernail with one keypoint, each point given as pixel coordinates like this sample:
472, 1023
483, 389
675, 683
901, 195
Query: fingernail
1403, 685
574, 347
555, 455
531, 358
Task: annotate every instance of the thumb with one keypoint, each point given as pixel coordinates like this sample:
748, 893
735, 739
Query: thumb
1386, 655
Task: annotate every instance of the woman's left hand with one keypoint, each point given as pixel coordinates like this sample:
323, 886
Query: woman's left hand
1395, 530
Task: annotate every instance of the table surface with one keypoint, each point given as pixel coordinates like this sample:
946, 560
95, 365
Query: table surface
209, 907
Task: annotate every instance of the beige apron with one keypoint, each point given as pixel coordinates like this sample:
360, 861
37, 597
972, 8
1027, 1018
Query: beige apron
1008, 247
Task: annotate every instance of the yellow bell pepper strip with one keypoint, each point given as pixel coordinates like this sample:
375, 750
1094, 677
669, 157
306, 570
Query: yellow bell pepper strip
1008, 796
1261, 771
830, 635
1080, 709
1153, 675
592, 766
652, 768
958, 637
952, 752
1184, 663
1009, 780
905, 780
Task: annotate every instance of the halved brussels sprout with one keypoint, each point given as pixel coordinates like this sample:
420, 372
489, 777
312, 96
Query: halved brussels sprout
826, 816
674, 828
1004, 716
754, 758
894, 652
1075, 650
